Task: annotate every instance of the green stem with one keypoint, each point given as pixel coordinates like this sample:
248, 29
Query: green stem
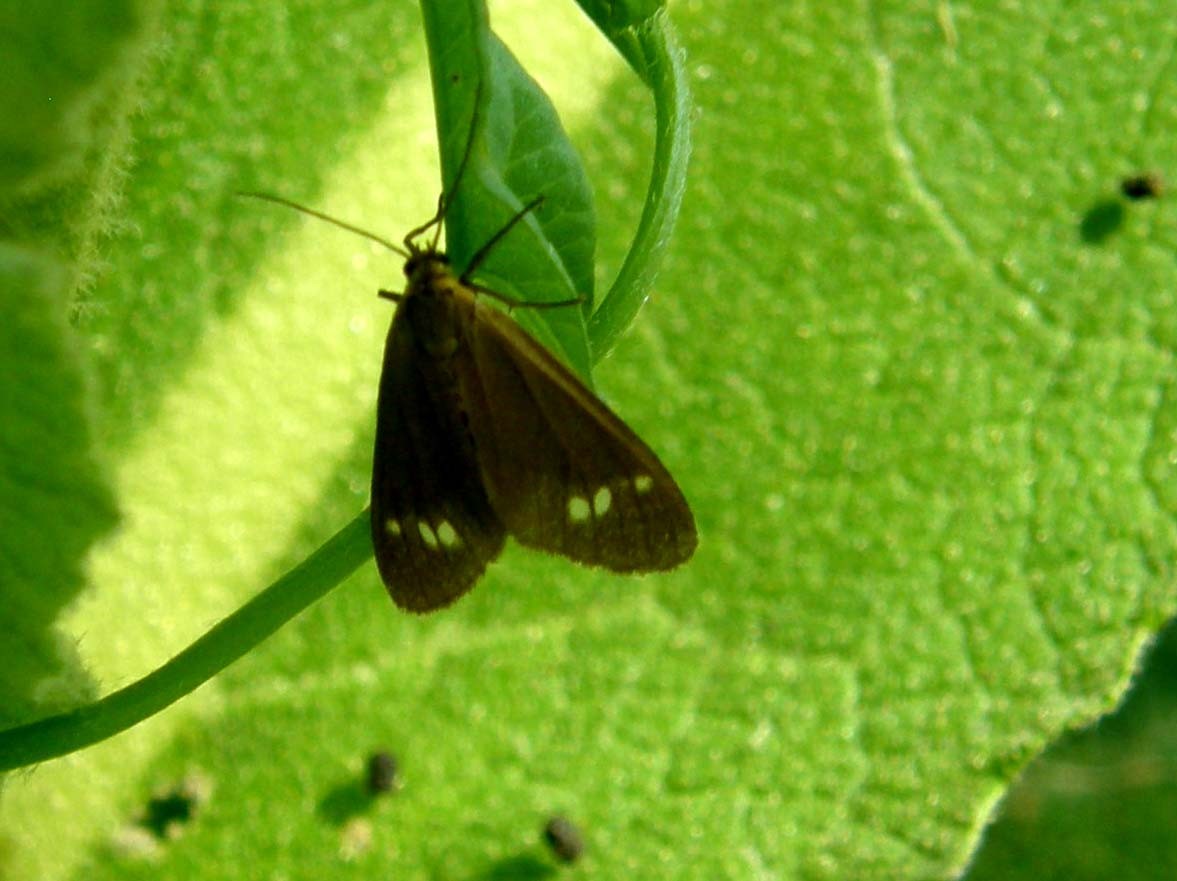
652, 50
233, 637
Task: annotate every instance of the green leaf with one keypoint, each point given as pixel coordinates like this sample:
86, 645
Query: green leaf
612, 16
1089, 806
60, 90
62, 70
519, 151
926, 426
57, 503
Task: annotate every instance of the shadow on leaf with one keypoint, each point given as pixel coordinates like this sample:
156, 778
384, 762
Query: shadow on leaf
343, 802
1101, 221
521, 867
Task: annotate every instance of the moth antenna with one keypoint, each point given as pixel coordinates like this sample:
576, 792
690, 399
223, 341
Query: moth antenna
441, 208
446, 198
319, 215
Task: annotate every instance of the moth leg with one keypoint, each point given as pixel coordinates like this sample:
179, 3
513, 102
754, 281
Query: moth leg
444, 200
395, 296
515, 303
485, 250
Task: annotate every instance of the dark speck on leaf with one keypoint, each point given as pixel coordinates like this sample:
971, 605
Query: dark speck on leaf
382, 773
564, 839
1142, 186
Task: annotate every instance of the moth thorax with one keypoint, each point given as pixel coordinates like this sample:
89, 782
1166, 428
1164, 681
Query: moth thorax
433, 313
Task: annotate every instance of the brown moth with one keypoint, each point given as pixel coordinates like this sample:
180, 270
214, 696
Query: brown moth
482, 433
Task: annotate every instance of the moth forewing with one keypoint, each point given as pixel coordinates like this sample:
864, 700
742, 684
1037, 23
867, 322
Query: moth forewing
560, 470
433, 530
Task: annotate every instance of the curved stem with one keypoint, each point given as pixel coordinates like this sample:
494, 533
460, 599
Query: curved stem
652, 50
233, 637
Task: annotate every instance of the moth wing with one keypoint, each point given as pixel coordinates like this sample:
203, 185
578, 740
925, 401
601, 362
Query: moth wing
433, 529
561, 471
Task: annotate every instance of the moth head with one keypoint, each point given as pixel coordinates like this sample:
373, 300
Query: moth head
422, 259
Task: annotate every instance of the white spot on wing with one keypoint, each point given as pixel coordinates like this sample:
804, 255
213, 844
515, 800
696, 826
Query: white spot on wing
427, 535
643, 483
392, 527
448, 536
578, 509
602, 501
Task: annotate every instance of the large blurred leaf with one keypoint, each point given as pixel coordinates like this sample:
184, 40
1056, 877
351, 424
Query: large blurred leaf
61, 76
56, 504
